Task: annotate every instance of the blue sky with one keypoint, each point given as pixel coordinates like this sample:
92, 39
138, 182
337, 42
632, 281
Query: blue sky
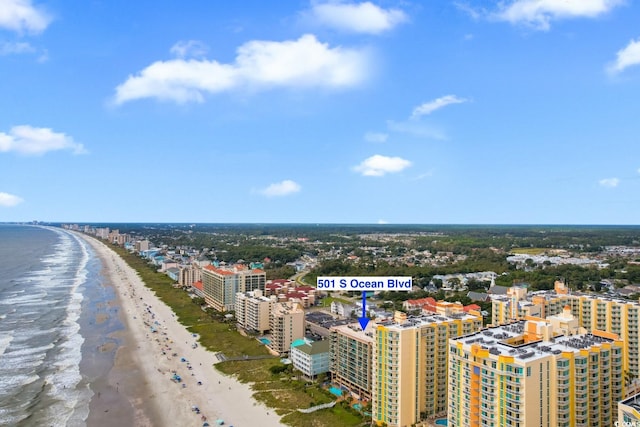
488, 112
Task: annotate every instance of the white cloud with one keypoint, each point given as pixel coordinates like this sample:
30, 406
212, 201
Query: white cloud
376, 137
189, 48
382, 222
21, 16
423, 176
609, 182
436, 104
474, 13
539, 13
416, 128
259, 64
29, 140
363, 17
12, 48
9, 200
378, 165
626, 57
283, 188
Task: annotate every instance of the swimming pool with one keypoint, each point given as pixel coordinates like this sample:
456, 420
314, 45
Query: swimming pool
335, 391
357, 406
442, 422
265, 341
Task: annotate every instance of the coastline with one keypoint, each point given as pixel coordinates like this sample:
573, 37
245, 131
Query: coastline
139, 389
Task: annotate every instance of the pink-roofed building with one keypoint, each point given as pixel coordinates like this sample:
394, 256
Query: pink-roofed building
198, 289
286, 290
417, 304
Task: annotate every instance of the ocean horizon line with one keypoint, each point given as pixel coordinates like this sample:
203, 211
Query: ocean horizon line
324, 224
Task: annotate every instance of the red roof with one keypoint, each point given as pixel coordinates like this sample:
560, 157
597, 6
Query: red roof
422, 301
218, 270
197, 285
476, 307
296, 295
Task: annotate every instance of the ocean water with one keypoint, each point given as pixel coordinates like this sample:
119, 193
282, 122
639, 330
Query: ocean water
43, 274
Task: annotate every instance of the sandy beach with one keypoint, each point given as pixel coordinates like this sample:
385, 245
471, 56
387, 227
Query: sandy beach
141, 389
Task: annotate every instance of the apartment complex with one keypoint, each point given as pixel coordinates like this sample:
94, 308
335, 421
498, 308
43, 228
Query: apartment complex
352, 354
222, 284
286, 322
525, 375
593, 312
252, 311
410, 365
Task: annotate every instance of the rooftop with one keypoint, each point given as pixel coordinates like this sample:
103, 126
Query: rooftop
426, 319
353, 330
496, 341
633, 401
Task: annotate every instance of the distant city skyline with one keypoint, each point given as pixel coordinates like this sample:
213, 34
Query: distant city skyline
461, 112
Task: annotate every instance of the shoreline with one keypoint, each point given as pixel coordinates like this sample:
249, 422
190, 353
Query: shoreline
140, 381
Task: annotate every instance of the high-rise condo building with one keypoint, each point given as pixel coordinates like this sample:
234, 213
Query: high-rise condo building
524, 375
252, 311
352, 353
222, 284
287, 325
410, 365
593, 312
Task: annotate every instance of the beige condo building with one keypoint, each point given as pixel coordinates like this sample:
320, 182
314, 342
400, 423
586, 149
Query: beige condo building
252, 311
286, 322
220, 285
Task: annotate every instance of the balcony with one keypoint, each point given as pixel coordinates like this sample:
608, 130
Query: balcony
515, 417
581, 399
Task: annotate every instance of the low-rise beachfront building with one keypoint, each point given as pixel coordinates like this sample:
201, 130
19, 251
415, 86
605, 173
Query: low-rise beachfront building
410, 364
222, 284
526, 375
252, 311
312, 358
198, 289
351, 358
286, 290
342, 309
286, 323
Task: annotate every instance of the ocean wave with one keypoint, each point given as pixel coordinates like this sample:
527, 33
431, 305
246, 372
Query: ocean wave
72, 404
40, 359
5, 340
17, 380
33, 298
